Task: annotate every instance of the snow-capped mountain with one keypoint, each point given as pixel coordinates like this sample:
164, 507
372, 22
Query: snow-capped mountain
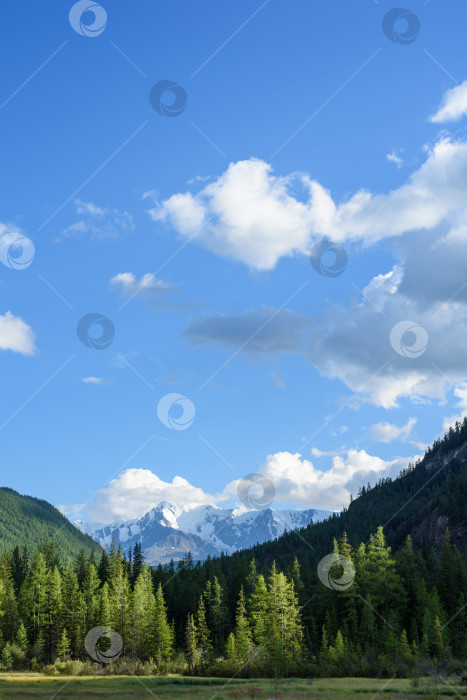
169, 532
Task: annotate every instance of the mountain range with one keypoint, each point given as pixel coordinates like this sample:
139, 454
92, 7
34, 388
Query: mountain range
168, 532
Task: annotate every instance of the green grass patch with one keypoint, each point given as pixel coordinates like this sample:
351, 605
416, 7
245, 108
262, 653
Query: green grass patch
36, 685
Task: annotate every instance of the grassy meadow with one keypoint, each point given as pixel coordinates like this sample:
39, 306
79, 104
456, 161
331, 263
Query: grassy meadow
36, 685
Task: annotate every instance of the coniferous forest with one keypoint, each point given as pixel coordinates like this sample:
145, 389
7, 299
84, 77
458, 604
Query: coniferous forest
265, 611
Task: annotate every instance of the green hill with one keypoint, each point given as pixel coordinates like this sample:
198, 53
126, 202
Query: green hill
27, 521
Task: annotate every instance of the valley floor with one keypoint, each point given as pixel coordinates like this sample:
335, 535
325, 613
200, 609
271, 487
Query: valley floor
36, 685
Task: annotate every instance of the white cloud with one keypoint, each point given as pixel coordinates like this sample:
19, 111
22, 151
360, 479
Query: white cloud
394, 158
323, 453
247, 213
460, 392
71, 510
94, 380
16, 335
388, 432
99, 223
454, 105
298, 482
352, 342
156, 293
251, 215
135, 491
129, 285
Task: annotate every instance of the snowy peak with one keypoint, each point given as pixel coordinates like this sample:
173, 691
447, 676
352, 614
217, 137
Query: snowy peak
168, 531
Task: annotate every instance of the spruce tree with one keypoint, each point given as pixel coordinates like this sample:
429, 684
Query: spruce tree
191, 642
242, 635
161, 641
202, 632
63, 646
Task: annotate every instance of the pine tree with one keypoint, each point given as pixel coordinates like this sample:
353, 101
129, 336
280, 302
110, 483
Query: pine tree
90, 590
63, 646
73, 609
217, 614
33, 595
81, 567
293, 629
295, 576
103, 570
259, 611
335, 652
19, 568
450, 583
191, 642
252, 577
119, 595
383, 583
324, 648
141, 614
242, 635
103, 606
6, 659
162, 640
203, 633
22, 638
368, 626
230, 649
53, 610
8, 605
404, 646
438, 641
138, 561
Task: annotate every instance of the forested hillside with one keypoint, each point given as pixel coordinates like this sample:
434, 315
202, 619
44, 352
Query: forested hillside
378, 608
26, 522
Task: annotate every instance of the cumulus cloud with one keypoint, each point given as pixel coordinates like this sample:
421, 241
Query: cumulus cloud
352, 341
454, 105
135, 491
298, 482
99, 223
388, 432
254, 216
16, 335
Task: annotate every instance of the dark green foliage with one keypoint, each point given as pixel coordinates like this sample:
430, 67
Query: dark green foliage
265, 611
30, 522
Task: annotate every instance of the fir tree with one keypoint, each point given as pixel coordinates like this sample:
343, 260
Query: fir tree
202, 633
63, 646
162, 639
191, 642
242, 633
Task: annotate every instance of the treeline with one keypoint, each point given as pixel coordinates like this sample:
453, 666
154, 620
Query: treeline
398, 614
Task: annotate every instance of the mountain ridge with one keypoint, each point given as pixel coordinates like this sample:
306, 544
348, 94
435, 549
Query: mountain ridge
168, 532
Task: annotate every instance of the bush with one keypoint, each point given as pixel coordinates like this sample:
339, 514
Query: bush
71, 668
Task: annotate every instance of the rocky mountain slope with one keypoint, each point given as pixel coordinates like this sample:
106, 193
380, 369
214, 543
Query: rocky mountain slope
169, 532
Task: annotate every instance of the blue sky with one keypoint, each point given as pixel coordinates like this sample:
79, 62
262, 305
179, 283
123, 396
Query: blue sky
303, 122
